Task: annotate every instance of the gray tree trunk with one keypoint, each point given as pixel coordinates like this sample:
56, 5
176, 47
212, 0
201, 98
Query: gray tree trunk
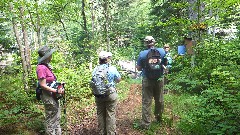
93, 18
107, 22
22, 52
25, 40
36, 26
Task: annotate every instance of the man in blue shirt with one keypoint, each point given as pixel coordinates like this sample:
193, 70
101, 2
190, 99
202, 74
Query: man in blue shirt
106, 104
167, 65
168, 58
151, 88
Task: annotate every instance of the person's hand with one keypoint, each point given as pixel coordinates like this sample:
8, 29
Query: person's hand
165, 71
60, 91
63, 83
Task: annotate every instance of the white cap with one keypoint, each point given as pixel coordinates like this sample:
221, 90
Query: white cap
104, 54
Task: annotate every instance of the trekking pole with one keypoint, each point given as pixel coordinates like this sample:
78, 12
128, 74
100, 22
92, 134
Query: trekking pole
64, 109
163, 81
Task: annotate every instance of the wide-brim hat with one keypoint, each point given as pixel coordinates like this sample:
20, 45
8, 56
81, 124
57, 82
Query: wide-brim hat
104, 54
44, 52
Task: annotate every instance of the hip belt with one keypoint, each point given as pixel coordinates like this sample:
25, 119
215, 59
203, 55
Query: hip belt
110, 91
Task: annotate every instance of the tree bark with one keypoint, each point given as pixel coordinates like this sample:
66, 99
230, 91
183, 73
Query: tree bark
25, 39
36, 26
93, 18
84, 17
61, 20
64, 28
21, 49
106, 25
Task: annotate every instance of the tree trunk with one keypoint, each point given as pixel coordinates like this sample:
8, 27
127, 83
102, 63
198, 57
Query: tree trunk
106, 25
84, 17
64, 28
61, 20
26, 44
93, 18
36, 26
22, 53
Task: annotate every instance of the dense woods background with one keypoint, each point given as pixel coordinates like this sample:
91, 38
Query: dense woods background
204, 85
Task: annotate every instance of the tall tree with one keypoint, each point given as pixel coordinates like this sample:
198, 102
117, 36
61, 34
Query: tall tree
107, 22
25, 41
21, 48
36, 24
84, 17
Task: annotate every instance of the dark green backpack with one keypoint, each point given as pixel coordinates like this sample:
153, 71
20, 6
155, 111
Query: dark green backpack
153, 64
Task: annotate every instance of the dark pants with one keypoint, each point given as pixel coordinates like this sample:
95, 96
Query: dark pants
151, 89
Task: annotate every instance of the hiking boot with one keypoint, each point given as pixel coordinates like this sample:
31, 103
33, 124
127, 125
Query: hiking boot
144, 127
165, 91
158, 119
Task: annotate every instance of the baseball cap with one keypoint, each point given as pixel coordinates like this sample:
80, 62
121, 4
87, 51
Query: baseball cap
104, 54
149, 40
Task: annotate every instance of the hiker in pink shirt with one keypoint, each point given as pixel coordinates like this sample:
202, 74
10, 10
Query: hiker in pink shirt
46, 79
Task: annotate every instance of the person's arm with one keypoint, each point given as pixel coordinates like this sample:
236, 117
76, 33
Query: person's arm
118, 80
43, 84
117, 76
138, 66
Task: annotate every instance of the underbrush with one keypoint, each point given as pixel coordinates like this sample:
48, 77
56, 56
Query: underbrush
215, 81
80, 109
176, 107
21, 113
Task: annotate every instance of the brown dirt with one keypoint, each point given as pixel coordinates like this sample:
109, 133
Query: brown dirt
127, 112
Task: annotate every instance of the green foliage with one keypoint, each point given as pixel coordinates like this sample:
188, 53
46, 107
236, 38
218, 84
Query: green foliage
16, 106
215, 112
215, 78
169, 21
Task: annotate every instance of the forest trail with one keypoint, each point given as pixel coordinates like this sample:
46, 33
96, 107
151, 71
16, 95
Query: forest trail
127, 111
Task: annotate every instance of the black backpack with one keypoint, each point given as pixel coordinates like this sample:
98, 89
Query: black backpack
99, 82
153, 64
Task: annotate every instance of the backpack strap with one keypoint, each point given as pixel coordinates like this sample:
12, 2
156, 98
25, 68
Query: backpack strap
104, 69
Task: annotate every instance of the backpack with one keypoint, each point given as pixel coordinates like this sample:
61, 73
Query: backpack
54, 84
168, 59
38, 91
99, 82
153, 65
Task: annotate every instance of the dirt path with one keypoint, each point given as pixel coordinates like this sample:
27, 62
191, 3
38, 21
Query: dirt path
126, 113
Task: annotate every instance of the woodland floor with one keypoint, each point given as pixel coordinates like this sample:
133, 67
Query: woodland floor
127, 111
128, 115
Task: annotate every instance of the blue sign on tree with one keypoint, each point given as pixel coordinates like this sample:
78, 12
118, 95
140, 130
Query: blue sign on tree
181, 49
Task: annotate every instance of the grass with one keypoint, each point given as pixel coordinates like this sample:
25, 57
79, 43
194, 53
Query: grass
176, 107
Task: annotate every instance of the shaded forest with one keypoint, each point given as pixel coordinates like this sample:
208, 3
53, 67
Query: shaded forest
204, 84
